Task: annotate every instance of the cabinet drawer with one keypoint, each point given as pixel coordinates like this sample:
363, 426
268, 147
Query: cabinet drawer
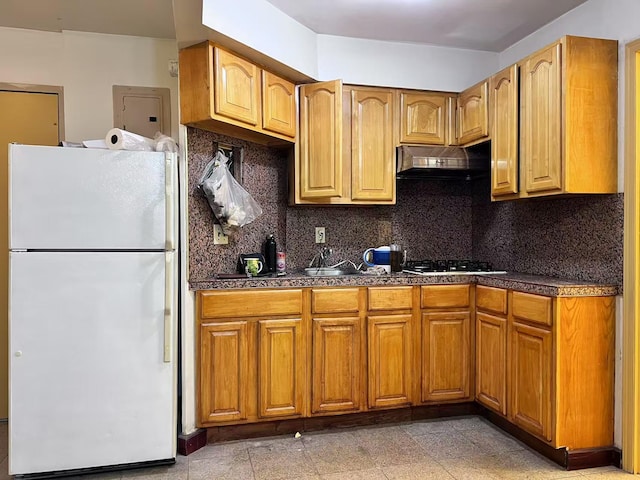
334, 300
491, 299
534, 308
243, 303
390, 298
445, 296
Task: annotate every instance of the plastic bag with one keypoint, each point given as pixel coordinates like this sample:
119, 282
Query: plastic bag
232, 205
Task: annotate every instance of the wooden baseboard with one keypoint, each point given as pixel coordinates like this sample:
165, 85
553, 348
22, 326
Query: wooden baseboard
187, 444
569, 459
282, 427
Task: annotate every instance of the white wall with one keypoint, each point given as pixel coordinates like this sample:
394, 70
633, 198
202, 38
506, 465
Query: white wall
617, 20
614, 19
407, 65
259, 25
87, 65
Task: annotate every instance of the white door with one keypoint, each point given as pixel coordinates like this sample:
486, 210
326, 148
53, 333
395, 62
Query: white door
89, 385
81, 198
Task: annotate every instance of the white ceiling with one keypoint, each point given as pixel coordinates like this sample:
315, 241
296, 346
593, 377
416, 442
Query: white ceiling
144, 18
489, 25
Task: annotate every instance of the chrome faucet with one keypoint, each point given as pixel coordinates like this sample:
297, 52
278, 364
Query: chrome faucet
325, 253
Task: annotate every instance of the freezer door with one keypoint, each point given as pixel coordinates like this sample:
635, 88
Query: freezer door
88, 199
89, 382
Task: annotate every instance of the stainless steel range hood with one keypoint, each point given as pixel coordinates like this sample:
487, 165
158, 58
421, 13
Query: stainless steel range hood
416, 161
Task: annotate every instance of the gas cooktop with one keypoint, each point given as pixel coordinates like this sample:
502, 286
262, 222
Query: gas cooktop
449, 267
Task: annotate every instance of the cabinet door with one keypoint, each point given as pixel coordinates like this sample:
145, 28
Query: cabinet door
389, 338
473, 121
336, 369
224, 371
278, 105
423, 118
531, 375
491, 361
237, 88
372, 148
320, 154
504, 132
281, 369
445, 356
541, 121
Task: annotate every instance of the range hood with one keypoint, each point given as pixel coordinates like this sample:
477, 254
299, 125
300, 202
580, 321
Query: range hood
416, 161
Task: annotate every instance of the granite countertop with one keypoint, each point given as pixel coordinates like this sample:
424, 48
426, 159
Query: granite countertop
542, 285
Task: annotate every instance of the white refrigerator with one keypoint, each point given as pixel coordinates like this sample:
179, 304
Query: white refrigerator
92, 307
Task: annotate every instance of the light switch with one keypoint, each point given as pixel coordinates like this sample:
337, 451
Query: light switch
219, 238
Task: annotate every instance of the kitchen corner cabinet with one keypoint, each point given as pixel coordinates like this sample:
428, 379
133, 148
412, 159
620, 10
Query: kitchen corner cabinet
222, 92
390, 350
338, 360
472, 114
252, 356
425, 117
552, 369
568, 102
503, 100
491, 348
446, 364
346, 150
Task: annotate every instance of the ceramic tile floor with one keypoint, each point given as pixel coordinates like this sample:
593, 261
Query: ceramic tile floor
463, 448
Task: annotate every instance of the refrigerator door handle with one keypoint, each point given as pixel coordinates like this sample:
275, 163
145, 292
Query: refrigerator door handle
169, 202
169, 309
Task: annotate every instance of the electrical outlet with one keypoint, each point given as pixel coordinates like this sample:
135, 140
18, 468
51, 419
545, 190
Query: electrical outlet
219, 238
320, 237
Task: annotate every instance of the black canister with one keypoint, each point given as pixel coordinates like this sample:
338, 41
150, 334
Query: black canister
270, 253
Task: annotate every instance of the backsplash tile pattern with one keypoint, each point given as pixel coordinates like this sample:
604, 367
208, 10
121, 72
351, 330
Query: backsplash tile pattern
263, 170
578, 238
432, 219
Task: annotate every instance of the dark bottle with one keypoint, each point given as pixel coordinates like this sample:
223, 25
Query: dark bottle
270, 253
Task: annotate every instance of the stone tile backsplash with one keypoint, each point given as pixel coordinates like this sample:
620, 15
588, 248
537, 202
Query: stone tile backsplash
569, 237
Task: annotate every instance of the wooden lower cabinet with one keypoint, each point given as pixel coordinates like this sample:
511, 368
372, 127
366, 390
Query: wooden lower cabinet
531, 379
389, 355
224, 371
491, 362
544, 363
445, 356
336, 373
281, 368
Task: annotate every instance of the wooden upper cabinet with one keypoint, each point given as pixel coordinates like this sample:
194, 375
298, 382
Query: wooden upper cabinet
503, 100
569, 118
224, 93
346, 148
320, 146
372, 147
424, 117
541, 120
237, 87
278, 105
472, 114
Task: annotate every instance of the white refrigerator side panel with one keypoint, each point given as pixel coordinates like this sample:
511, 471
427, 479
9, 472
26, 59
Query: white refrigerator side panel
86, 199
88, 384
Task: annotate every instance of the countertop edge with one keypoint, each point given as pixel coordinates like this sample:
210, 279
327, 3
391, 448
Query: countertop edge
542, 285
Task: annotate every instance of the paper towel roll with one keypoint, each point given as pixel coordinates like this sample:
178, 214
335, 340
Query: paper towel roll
118, 139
